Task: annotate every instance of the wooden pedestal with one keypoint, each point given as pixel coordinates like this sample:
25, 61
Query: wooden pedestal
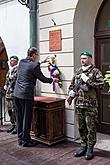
48, 124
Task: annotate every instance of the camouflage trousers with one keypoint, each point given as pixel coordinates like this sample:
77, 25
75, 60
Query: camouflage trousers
11, 110
87, 119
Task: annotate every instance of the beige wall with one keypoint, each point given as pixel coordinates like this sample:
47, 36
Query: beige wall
5, 1
76, 19
63, 14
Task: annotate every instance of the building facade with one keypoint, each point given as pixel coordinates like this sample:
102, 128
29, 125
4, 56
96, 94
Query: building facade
84, 26
14, 27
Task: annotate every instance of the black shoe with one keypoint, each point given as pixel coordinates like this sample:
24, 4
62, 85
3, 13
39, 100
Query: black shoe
81, 152
89, 154
14, 131
11, 129
19, 142
31, 143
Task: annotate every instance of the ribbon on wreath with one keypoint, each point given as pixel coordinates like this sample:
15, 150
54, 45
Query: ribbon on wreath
54, 71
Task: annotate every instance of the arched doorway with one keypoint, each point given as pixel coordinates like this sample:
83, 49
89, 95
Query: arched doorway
83, 27
3, 64
102, 57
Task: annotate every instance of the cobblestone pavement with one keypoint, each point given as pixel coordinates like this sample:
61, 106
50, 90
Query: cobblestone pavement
59, 154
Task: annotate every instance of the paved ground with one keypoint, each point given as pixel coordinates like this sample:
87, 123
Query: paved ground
103, 142
60, 154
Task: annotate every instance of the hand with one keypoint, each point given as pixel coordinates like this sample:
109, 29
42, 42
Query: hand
56, 80
72, 93
69, 100
5, 87
84, 77
46, 59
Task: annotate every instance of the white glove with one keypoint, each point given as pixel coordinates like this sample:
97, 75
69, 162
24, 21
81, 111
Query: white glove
84, 77
5, 87
72, 93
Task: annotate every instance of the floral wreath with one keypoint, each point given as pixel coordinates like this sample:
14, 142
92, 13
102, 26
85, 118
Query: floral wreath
54, 71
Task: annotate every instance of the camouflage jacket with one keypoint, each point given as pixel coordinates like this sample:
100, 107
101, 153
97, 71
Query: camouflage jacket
11, 77
86, 92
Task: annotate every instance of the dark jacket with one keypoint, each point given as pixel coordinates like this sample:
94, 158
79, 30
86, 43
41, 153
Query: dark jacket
28, 73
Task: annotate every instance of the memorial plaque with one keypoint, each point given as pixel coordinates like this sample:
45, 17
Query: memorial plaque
55, 43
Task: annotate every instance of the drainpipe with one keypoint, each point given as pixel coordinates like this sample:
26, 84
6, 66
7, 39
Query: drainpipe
33, 23
32, 5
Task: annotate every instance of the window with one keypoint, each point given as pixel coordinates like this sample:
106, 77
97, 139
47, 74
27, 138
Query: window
103, 23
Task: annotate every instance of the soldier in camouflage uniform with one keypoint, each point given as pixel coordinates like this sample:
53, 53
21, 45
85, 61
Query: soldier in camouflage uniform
83, 88
9, 88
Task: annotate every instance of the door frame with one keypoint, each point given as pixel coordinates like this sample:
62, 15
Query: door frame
103, 127
101, 37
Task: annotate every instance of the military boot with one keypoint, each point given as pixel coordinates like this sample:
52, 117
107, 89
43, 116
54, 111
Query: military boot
11, 129
81, 152
89, 154
14, 131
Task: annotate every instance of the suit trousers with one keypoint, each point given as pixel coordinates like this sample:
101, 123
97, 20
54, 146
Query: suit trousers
24, 109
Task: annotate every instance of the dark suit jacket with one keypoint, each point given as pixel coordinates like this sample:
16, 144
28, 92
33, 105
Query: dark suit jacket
28, 73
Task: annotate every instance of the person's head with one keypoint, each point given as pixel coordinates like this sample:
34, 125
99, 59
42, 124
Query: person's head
33, 53
13, 60
86, 58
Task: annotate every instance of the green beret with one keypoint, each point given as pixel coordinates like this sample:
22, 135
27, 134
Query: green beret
87, 54
14, 58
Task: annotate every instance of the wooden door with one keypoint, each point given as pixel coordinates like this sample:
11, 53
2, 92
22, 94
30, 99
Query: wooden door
3, 64
103, 62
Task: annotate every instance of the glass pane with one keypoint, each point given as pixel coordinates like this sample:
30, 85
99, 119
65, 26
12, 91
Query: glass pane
106, 110
105, 61
105, 53
104, 18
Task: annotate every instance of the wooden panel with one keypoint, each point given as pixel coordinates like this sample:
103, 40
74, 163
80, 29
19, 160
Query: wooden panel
102, 62
48, 125
106, 109
4, 65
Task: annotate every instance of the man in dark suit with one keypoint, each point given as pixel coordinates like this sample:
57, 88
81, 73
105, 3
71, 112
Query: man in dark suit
28, 72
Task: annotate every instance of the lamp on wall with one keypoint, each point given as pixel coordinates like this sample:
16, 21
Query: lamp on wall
24, 2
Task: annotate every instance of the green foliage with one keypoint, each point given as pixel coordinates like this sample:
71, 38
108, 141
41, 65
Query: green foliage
107, 78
